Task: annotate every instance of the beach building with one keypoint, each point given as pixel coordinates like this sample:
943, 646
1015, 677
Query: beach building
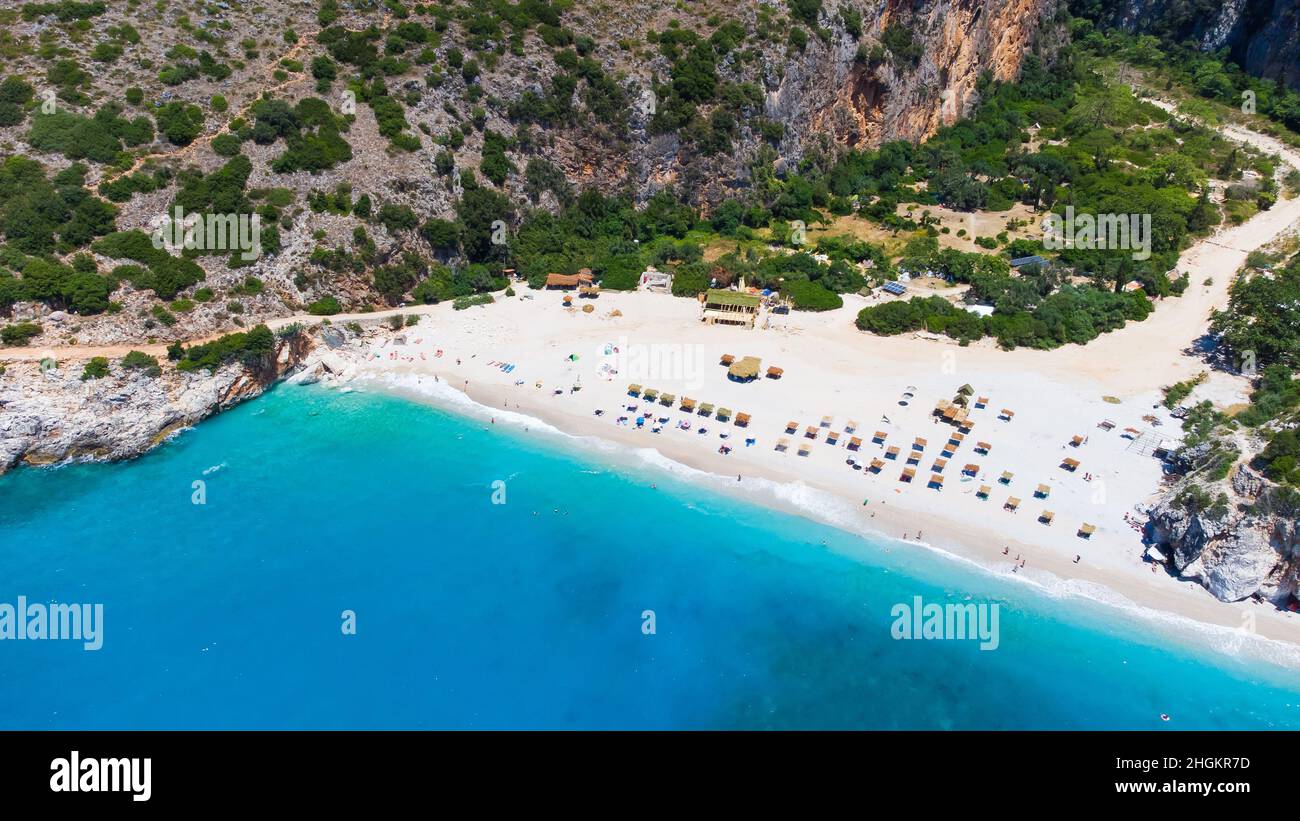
730, 307
1021, 262
655, 280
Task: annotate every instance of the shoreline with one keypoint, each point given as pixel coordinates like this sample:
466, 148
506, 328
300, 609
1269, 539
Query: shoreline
1170, 611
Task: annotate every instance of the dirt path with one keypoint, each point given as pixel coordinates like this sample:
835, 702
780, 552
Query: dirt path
79, 352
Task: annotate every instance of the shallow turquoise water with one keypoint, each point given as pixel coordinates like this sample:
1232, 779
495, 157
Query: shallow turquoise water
529, 613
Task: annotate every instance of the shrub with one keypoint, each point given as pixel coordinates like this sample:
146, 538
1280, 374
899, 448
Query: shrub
811, 296
96, 368
19, 334
180, 122
143, 362
226, 145
327, 305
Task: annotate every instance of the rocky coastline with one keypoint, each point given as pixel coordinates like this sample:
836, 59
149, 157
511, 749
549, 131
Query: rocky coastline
50, 415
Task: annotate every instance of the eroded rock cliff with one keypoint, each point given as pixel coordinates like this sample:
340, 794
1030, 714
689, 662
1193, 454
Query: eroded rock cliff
1238, 545
51, 415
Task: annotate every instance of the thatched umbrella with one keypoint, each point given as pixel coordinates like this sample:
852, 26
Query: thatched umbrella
745, 369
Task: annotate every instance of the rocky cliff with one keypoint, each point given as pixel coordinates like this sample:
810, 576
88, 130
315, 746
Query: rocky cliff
1242, 544
1262, 36
834, 94
50, 415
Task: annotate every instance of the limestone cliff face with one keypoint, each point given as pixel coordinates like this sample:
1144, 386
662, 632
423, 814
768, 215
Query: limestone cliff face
858, 104
829, 96
1235, 551
1262, 36
52, 416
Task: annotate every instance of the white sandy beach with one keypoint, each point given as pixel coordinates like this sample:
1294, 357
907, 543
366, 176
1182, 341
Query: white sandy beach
831, 369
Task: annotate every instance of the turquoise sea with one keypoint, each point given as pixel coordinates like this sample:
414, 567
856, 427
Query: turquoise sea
528, 614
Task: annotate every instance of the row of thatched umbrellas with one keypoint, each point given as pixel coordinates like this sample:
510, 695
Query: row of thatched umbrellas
688, 405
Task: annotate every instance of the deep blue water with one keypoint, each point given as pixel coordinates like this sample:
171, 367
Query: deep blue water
525, 614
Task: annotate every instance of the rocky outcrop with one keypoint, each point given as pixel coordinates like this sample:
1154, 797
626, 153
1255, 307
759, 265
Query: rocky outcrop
1262, 36
1236, 550
50, 415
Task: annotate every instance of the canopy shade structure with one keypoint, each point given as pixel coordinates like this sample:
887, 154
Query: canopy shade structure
892, 452
730, 308
919, 444
879, 437
971, 469
727, 359
907, 475
804, 449
1070, 464
1086, 530
810, 432
774, 372
826, 421
567, 280
650, 393
854, 443
851, 426
1042, 491
1076, 441
1106, 424
745, 369
791, 426
939, 465
1012, 503
984, 491
1006, 477
936, 480
733, 299
633, 390
688, 403
877, 464
1006, 414
942, 405
1046, 517
742, 419
667, 398
832, 437
723, 414
981, 402
983, 447
782, 444
706, 408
